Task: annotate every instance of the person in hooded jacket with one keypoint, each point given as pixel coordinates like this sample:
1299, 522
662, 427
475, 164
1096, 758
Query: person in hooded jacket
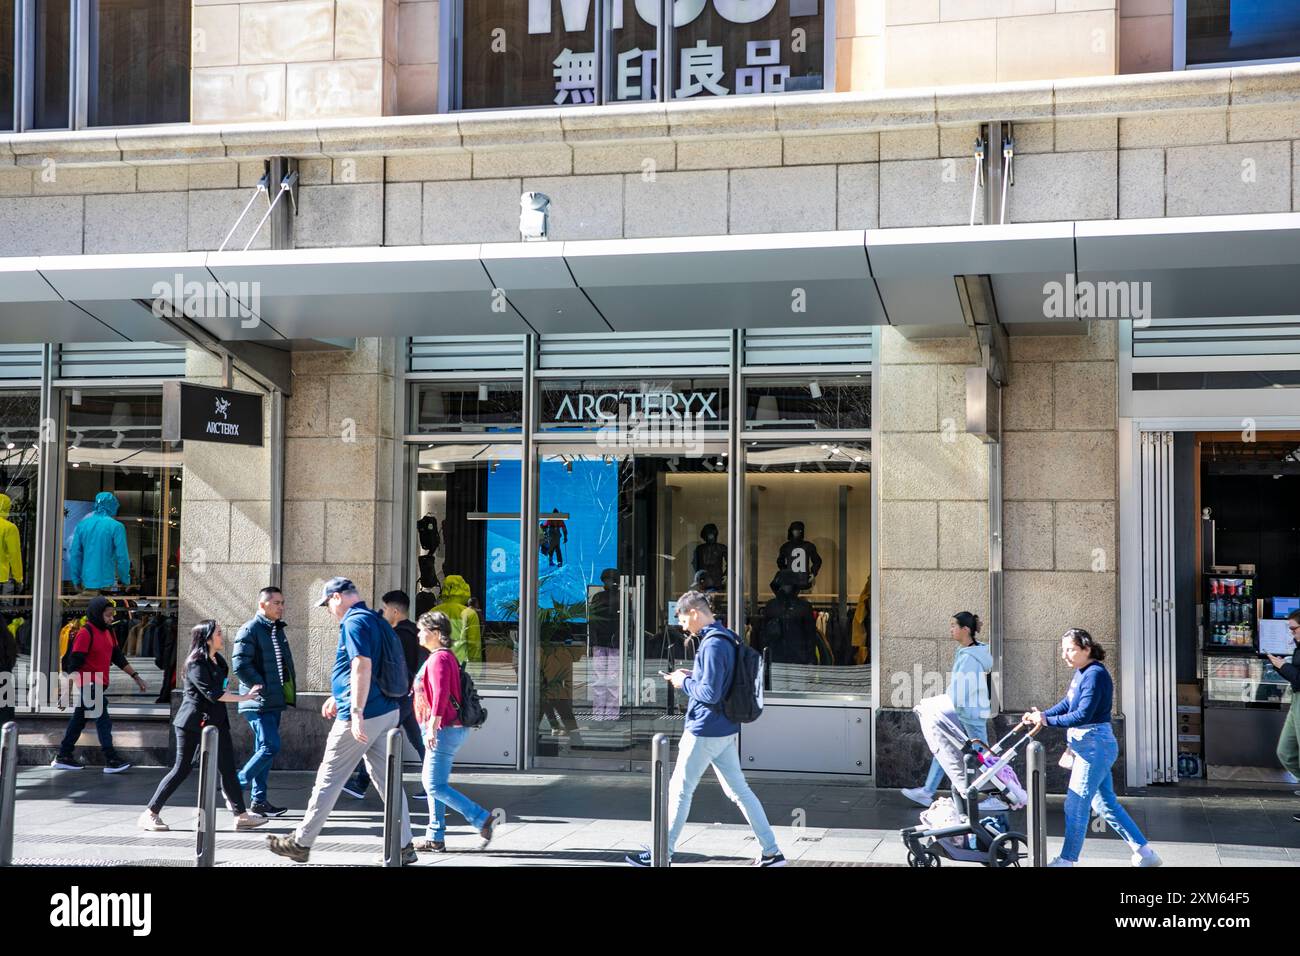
93, 651
968, 689
97, 555
467, 638
11, 550
789, 626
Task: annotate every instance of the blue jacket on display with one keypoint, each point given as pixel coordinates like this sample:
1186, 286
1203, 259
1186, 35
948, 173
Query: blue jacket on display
97, 555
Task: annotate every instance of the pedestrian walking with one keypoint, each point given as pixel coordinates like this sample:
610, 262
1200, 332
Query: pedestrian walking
710, 738
203, 703
94, 650
438, 699
968, 689
262, 658
1085, 714
1288, 742
362, 717
396, 611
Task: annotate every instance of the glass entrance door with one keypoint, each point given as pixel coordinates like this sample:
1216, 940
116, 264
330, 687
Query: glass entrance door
621, 534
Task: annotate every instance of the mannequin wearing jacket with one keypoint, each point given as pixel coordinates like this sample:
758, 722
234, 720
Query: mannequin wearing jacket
97, 555
11, 551
799, 555
789, 628
710, 560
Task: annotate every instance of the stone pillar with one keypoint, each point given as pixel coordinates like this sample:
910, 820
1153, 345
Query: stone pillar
225, 534
933, 481
339, 457
1060, 491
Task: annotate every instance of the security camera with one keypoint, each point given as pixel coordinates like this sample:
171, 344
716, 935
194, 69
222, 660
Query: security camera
534, 216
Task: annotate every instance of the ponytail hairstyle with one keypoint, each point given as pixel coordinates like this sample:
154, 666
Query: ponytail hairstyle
1082, 639
969, 621
201, 641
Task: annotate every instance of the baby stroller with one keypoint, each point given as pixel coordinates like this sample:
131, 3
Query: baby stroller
953, 827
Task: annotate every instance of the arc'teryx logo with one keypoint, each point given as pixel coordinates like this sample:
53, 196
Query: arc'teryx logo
223, 406
76, 909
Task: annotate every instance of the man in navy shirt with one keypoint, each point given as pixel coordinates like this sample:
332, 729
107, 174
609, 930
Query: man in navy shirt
710, 738
362, 717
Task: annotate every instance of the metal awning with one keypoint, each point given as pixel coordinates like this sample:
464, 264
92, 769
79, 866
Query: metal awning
1224, 266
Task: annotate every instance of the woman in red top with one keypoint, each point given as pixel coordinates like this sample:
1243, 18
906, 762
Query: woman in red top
437, 705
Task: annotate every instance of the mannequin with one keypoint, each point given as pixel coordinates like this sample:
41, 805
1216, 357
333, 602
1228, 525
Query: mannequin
97, 554
11, 552
710, 560
602, 626
799, 555
789, 630
430, 540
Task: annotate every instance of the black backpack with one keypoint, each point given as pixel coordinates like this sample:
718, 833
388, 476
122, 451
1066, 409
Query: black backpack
469, 709
393, 677
744, 701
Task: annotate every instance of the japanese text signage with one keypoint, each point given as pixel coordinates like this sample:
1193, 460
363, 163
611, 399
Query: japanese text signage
544, 52
221, 415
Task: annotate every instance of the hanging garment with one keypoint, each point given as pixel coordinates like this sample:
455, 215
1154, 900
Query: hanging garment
710, 560
428, 571
11, 551
427, 531
860, 637
789, 627
97, 554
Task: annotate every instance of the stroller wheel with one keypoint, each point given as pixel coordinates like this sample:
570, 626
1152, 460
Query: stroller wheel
923, 860
1007, 849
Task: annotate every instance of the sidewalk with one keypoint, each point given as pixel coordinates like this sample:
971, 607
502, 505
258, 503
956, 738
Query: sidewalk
87, 818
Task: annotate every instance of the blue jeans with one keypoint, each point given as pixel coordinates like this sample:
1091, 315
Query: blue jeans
437, 786
723, 753
976, 727
1095, 751
266, 744
77, 723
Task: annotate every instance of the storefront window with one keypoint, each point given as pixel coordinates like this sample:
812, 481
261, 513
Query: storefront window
19, 461
808, 564
51, 107
1239, 31
622, 532
667, 410
842, 403
466, 565
547, 53
119, 474
467, 407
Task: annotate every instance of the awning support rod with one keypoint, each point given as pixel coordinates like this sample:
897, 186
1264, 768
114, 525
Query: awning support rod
979, 177
263, 186
287, 185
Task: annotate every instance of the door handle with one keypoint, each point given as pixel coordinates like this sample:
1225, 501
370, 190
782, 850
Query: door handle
638, 616
622, 639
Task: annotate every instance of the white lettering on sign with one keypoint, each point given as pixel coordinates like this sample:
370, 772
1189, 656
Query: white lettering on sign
577, 13
223, 428
608, 406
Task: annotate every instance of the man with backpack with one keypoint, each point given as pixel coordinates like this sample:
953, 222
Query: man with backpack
368, 680
725, 690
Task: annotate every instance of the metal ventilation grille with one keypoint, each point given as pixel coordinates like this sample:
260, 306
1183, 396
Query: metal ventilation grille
642, 351
808, 346
20, 362
466, 353
1265, 336
122, 360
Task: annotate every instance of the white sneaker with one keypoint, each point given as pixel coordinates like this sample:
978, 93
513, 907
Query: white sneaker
151, 821
1146, 856
1057, 861
250, 821
919, 795
993, 805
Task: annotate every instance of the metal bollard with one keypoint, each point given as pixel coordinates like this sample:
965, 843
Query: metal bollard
393, 799
1036, 813
205, 849
659, 749
8, 788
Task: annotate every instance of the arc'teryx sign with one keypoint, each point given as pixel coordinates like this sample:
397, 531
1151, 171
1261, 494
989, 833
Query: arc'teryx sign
601, 407
200, 413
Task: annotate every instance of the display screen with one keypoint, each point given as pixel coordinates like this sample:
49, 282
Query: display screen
572, 549
1282, 606
1275, 638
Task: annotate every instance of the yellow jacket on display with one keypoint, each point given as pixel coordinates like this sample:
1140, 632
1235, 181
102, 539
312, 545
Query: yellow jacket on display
11, 549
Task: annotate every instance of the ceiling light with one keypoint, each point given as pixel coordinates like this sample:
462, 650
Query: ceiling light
814, 389
483, 392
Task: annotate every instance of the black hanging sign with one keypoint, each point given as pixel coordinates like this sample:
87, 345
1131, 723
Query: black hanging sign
200, 413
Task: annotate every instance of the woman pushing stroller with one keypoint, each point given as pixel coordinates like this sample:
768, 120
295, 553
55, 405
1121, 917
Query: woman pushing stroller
1085, 714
